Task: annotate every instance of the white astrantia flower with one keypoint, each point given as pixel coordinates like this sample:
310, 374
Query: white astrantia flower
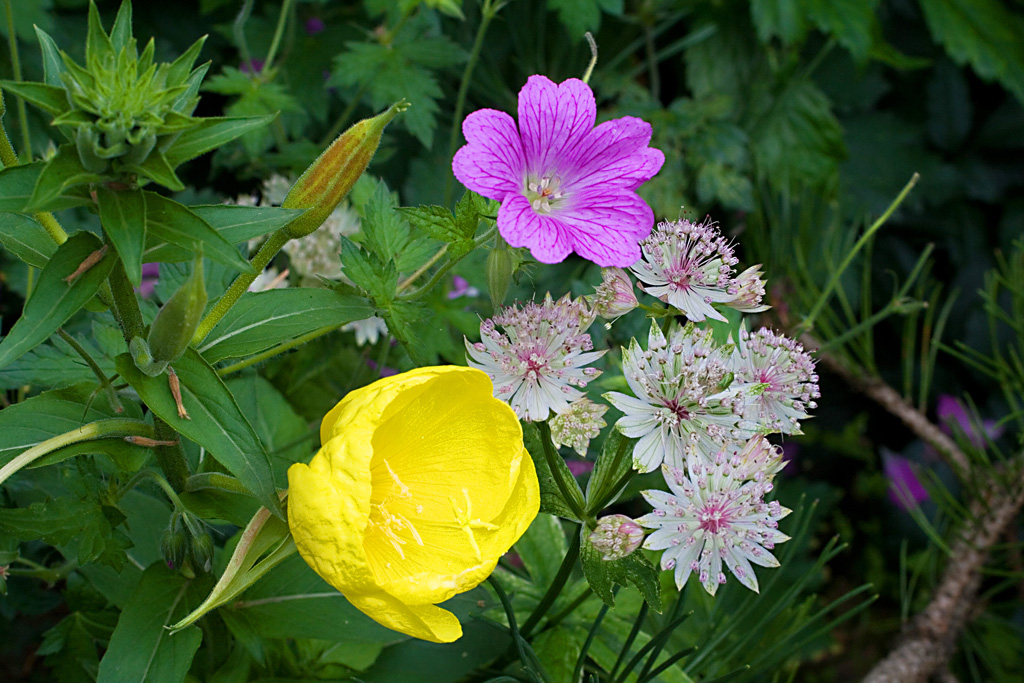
683, 404
578, 424
367, 331
537, 359
713, 517
775, 379
689, 266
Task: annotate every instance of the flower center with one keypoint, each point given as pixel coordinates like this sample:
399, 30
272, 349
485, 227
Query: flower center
714, 518
541, 193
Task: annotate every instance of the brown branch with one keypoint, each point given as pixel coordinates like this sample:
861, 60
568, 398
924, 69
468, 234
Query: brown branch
930, 638
887, 397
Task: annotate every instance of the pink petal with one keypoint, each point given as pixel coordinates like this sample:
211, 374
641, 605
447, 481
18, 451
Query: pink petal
547, 238
606, 226
615, 153
554, 121
492, 163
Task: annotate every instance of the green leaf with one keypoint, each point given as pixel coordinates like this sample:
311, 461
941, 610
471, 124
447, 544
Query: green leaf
57, 365
53, 66
59, 176
366, 270
580, 16
438, 222
551, 500
54, 300
141, 650
16, 185
603, 574
174, 223
557, 649
60, 522
49, 98
261, 320
98, 49
236, 224
542, 548
383, 227
285, 434
51, 413
121, 31
217, 423
26, 239
293, 602
123, 215
982, 33
612, 465
157, 168
782, 19
852, 22
211, 133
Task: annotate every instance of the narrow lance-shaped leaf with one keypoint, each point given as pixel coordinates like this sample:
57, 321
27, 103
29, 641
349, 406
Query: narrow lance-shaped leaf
215, 421
123, 215
26, 239
175, 223
210, 134
54, 299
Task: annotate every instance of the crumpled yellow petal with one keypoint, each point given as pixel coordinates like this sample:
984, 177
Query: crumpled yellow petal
422, 483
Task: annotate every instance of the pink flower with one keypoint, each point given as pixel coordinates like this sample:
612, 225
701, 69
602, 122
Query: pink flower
905, 489
563, 184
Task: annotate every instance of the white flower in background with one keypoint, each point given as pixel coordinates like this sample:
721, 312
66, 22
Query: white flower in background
270, 279
539, 355
713, 517
367, 331
581, 422
682, 405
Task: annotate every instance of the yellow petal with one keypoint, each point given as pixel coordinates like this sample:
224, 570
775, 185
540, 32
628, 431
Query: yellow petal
427, 622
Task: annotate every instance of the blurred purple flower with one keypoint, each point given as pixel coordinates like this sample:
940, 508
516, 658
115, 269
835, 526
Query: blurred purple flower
150, 275
315, 25
384, 371
461, 287
905, 490
950, 410
252, 66
563, 184
578, 467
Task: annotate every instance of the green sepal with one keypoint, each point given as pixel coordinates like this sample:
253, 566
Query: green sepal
53, 65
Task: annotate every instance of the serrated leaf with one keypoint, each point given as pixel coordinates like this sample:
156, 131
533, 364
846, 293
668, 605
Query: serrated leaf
174, 223
982, 33
54, 189
852, 22
217, 423
261, 320
49, 98
367, 271
141, 650
54, 300
603, 574
123, 215
551, 500
211, 133
26, 239
55, 522
436, 221
384, 228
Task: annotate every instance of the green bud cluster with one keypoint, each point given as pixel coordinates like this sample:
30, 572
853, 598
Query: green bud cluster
186, 544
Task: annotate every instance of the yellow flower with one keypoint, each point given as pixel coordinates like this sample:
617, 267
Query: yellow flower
421, 484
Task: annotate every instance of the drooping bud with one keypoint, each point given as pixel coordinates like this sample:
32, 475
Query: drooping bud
614, 296
174, 545
325, 183
749, 290
177, 321
616, 536
202, 551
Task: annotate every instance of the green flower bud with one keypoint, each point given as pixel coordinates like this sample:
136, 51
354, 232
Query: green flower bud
500, 267
202, 551
323, 185
174, 546
177, 321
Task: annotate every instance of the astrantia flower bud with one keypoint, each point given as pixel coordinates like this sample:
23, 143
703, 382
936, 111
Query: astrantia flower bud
325, 183
580, 423
614, 296
747, 291
616, 536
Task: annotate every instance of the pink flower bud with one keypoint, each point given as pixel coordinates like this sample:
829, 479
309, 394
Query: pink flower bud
749, 290
616, 536
614, 296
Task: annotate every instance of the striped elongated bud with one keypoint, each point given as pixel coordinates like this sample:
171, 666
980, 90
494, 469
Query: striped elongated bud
323, 185
177, 321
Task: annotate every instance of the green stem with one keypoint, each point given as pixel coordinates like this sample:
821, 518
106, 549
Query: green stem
510, 614
168, 490
7, 155
280, 348
115, 402
443, 270
93, 430
238, 31
487, 12
282, 20
404, 284
557, 584
53, 229
593, 57
606, 499
241, 285
340, 122
126, 303
582, 657
12, 41
171, 459
808, 324
215, 480
568, 609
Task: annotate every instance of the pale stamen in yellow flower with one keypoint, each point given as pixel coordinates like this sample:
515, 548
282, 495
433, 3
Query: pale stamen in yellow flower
467, 524
390, 523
